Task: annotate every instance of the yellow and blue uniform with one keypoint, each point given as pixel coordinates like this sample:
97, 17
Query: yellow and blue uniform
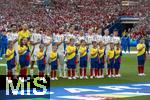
101, 57
141, 54
11, 59
94, 57
54, 60
71, 57
41, 60
83, 56
118, 55
24, 58
111, 55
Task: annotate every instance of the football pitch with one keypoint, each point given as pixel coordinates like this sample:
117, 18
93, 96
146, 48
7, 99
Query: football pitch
128, 73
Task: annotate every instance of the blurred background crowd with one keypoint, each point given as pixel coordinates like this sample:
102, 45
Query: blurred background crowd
83, 13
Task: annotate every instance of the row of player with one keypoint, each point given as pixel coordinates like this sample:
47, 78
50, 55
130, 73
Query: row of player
74, 54
97, 57
29, 45
62, 41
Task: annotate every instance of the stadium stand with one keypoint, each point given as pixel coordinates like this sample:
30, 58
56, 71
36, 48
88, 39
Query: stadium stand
84, 13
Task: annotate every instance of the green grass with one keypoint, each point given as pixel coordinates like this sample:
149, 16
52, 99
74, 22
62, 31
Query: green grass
128, 71
129, 75
133, 48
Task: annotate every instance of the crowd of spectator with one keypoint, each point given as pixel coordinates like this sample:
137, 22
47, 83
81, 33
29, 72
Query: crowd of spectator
83, 13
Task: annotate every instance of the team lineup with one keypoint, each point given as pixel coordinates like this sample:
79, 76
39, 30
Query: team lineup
64, 54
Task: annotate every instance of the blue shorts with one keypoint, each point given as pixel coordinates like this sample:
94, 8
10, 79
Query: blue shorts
41, 67
111, 63
141, 60
83, 62
24, 60
71, 63
11, 64
141, 57
94, 62
101, 63
54, 65
41, 64
117, 63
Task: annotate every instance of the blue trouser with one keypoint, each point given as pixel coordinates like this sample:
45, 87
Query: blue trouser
71, 63
94, 62
24, 60
3, 49
11, 64
54, 65
101, 62
111, 63
83, 61
141, 60
125, 47
41, 64
117, 63
0, 49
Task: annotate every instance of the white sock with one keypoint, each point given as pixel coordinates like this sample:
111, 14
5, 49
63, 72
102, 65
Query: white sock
14, 71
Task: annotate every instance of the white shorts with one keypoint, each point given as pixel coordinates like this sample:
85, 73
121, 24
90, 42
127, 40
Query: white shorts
34, 55
17, 58
61, 58
47, 57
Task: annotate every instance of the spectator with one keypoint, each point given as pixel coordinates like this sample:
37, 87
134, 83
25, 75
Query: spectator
0, 45
4, 43
125, 42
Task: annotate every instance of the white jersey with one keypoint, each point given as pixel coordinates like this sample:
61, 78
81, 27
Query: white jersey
35, 37
46, 39
9, 36
58, 37
89, 38
98, 37
15, 37
115, 39
107, 39
12, 37
68, 36
79, 38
